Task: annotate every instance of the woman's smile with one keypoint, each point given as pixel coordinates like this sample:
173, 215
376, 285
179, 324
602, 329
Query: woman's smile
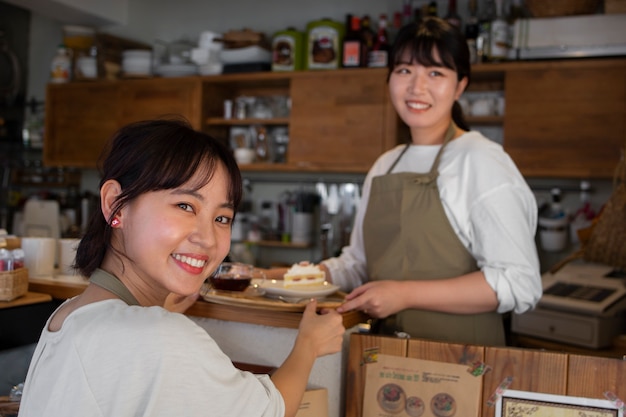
191, 263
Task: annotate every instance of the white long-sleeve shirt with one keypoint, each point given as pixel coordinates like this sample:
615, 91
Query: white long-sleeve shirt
489, 205
111, 359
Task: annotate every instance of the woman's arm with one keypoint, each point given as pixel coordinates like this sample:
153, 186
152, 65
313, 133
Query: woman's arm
318, 335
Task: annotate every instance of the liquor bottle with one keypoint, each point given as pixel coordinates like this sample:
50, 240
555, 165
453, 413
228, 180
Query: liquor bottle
407, 13
367, 35
431, 9
379, 55
452, 16
471, 31
352, 46
395, 27
499, 36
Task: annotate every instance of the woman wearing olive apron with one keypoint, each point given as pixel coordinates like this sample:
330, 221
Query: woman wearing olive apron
443, 240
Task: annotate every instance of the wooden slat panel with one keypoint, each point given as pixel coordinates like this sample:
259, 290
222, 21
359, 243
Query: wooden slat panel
337, 119
566, 121
532, 370
446, 352
355, 376
591, 376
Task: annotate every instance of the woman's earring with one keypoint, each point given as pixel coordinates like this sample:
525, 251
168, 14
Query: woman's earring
115, 222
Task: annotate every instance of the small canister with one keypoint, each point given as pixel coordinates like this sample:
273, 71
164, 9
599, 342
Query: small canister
323, 50
288, 50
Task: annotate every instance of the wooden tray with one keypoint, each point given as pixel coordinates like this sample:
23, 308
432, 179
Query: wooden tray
251, 299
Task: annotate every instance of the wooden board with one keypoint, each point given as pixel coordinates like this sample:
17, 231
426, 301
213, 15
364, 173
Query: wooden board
355, 377
529, 369
252, 300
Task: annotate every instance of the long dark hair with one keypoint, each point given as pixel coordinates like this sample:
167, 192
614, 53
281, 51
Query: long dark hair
150, 156
421, 39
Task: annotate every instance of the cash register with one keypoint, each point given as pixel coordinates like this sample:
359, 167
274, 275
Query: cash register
583, 304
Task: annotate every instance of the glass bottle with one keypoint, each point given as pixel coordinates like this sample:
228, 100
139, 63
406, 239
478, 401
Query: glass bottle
499, 36
431, 9
353, 47
484, 31
61, 66
379, 54
367, 34
261, 147
452, 16
471, 31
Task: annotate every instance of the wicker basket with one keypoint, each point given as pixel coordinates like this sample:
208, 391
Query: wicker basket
13, 284
555, 8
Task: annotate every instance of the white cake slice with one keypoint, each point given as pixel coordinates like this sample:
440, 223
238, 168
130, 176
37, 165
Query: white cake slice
302, 275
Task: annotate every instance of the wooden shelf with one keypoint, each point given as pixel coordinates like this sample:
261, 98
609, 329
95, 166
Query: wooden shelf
485, 120
218, 121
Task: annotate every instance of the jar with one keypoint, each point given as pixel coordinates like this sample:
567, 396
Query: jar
61, 67
18, 258
6, 260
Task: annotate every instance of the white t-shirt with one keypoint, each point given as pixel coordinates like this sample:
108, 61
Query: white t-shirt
111, 359
489, 205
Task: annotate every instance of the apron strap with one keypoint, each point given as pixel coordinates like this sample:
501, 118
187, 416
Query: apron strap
111, 283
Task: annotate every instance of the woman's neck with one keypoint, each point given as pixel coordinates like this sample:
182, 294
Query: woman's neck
432, 135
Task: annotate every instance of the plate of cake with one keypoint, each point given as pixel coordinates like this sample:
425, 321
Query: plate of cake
301, 280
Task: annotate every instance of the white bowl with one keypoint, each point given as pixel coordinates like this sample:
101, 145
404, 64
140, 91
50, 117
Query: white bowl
244, 155
137, 54
177, 70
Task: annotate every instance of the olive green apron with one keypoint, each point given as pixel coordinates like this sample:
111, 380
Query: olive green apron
407, 236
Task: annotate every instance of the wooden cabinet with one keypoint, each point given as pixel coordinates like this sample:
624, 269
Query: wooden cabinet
341, 120
79, 120
566, 118
562, 119
81, 117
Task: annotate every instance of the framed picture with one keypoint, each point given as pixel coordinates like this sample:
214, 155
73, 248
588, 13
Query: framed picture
532, 404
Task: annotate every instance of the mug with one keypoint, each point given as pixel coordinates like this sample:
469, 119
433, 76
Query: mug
482, 107
39, 255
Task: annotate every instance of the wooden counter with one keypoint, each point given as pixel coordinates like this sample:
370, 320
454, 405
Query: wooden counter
63, 290
27, 299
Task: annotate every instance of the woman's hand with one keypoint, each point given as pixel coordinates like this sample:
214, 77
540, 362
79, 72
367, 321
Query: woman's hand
179, 303
324, 331
378, 299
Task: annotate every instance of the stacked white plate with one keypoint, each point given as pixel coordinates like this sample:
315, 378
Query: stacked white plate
176, 70
137, 62
247, 54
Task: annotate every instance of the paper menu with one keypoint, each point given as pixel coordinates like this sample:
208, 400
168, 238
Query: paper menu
400, 386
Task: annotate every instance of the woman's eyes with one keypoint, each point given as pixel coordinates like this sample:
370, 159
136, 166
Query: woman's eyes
225, 220
185, 206
431, 72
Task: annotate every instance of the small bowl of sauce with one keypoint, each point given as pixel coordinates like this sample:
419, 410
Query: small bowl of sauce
234, 276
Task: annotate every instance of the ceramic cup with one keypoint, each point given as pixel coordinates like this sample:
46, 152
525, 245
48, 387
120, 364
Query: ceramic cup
553, 233
67, 255
39, 255
482, 107
302, 229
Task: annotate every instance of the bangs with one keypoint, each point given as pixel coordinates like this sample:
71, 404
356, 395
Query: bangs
421, 50
145, 160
